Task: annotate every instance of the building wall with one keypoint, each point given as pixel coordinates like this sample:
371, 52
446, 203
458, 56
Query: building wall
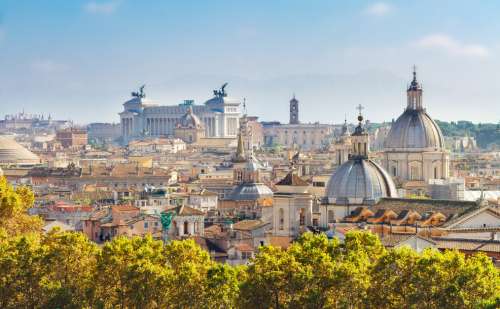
287, 213
417, 165
220, 119
305, 136
72, 138
484, 219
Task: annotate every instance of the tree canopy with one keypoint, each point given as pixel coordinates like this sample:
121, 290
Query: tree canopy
66, 270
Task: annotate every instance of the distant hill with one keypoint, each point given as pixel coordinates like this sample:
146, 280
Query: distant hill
486, 134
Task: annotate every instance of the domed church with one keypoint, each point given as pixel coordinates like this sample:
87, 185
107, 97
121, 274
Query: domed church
414, 150
189, 127
359, 180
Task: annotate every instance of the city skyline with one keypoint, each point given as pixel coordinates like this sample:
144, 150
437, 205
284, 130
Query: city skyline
81, 60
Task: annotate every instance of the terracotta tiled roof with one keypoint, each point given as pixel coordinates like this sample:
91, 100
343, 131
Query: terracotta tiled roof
468, 244
214, 231
243, 247
407, 215
209, 246
470, 213
248, 225
124, 208
382, 215
189, 211
99, 214
446, 207
358, 214
280, 241
291, 179
392, 240
184, 210
204, 192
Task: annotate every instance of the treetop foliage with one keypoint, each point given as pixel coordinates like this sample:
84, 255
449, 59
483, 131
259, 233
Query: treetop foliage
67, 270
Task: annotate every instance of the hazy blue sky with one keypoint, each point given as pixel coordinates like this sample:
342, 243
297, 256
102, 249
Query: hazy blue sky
81, 59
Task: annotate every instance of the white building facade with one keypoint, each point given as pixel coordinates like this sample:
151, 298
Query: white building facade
143, 118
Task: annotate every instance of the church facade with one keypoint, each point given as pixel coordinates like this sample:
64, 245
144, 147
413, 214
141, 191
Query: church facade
142, 117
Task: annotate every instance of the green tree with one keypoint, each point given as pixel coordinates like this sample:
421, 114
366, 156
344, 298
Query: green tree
392, 280
190, 265
14, 204
222, 286
131, 274
275, 280
404, 279
70, 262
21, 272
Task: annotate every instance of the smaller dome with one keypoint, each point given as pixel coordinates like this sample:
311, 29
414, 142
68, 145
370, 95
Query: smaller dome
11, 152
359, 181
190, 120
250, 192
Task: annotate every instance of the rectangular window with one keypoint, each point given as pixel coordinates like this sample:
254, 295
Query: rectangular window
302, 217
331, 216
145, 225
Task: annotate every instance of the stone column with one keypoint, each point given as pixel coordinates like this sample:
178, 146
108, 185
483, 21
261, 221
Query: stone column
180, 225
191, 228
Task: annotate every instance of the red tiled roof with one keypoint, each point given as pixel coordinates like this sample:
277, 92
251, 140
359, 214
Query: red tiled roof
243, 247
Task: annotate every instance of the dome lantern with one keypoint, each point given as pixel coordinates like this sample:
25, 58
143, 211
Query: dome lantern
360, 139
414, 93
414, 129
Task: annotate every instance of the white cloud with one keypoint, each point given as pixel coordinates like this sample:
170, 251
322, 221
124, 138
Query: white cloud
107, 7
48, 66
379, 9
450, 45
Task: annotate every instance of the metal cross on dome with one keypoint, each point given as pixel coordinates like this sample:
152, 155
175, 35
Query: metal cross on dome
360, 108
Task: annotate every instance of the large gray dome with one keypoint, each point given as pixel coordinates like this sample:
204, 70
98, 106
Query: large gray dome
11, 152
359, 181
414, 129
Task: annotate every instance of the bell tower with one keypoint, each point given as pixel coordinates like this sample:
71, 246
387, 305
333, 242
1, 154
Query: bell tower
294, 111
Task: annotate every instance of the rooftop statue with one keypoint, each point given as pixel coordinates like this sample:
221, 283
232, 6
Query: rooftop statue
166, 222
139, 94
221, 92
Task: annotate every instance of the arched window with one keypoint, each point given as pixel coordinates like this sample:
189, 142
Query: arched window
281, 219
331, 216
